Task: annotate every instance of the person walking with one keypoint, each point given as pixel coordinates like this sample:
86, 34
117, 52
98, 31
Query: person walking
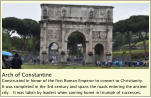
16, 62
121, 63
5, 62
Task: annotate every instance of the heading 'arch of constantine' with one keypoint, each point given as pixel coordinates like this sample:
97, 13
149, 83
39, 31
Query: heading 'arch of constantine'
92, 24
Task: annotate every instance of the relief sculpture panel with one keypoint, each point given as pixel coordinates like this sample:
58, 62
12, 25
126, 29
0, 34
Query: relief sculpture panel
53, 34
99, 35
57, 12
102, 13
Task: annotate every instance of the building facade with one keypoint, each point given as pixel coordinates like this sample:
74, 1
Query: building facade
93, 23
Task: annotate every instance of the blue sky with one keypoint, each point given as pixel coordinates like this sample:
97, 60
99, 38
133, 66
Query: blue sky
32, 10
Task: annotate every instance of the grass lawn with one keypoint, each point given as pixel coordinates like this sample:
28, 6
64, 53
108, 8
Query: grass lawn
139, 44
127, 52
134, 51
74, 67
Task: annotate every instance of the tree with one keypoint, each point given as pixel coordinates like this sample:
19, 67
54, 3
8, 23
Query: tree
133, 25
124, 27
5, 39
31, 28
140, 24
24, 27
12, 24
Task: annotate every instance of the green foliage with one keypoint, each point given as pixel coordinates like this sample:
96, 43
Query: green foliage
139, 23
5, 39
32, 44
130, 30
139, 44
11, 43
28, 29
24, 27
119, 40
12, 23
136, 24
120, 53
31, 27
17, 43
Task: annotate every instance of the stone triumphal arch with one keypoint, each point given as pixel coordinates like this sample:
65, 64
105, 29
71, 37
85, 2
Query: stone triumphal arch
93, 23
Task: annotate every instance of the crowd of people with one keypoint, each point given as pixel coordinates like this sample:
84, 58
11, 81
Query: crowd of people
74, 59
53, 60
15, 62
11, 62
121, 63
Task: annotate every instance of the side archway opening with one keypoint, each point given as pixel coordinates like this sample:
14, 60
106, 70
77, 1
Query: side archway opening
53, 52
99, 52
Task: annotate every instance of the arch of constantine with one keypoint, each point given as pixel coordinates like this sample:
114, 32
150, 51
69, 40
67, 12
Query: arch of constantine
91, 24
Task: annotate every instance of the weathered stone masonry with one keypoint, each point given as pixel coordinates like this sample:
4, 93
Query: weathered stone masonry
58, 21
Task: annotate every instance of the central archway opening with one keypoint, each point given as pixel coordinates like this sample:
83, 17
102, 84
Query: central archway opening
76, 47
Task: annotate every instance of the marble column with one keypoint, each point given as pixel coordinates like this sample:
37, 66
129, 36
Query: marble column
90, 45
87, 56
64, 46
44, 44
90, 39
63, 34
